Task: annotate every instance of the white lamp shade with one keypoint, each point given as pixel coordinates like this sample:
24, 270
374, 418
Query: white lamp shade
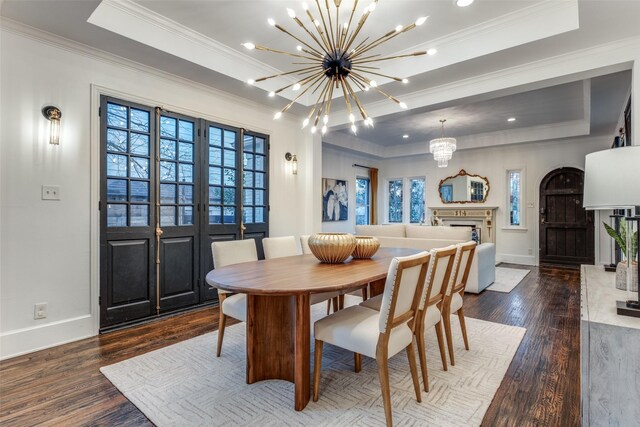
612, 179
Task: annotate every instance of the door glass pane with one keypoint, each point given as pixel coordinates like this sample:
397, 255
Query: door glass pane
139, 144
229, 177
215, 215
117, 115
116, 190
248, 143
248, 197
229, 139
167, 149
139, 191
186, 152
248, 161
116, 165
259, 215
167, 193
116, 140
116, 215
186, 172
167, 171
167, 215
139, 120
260, 163
139, 168
260, 197
168, 127
248, 179
215, 156
215, 136
229, 215
260, 145
247, 214
185, 215
230, 158
186, 130
215, 176
215, 195
139, 215
229, 196
185, 195
259, 180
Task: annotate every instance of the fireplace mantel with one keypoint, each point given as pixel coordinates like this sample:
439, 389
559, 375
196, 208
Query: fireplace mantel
482, 216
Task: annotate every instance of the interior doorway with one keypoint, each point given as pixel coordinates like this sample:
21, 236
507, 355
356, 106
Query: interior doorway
566, 228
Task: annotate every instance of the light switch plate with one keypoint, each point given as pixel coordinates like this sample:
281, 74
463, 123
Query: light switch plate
50, 192
40, 310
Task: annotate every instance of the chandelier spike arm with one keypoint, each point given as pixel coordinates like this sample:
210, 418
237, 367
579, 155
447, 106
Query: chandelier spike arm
278, 26
345, 95
381, 92
328, 33
351, 15
363, 112
333, 40
301, 71
325, 42
338, 36
282, 52
301, 24
398, 79
386, 58
383, 39
363, 19
290, 104
300, 82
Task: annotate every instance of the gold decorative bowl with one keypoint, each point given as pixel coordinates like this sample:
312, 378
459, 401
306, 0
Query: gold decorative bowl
332, 248
366, 247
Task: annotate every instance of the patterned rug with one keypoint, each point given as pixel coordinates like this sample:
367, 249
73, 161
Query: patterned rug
507, 279
186, 385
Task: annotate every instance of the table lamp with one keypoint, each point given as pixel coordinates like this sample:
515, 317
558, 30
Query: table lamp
612, 181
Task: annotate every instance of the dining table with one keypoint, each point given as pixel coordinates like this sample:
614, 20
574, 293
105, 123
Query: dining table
278, 324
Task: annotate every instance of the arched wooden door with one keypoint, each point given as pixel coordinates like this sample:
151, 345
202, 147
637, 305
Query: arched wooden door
566, 228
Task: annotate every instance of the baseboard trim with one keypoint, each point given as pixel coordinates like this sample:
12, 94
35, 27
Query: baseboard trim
517, 259
27, 340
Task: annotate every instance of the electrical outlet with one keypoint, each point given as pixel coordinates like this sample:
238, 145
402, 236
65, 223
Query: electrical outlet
40, 310
50, 192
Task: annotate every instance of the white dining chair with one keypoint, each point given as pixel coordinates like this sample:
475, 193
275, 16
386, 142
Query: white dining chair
278, 247
454, 301
379, 334
232, 305
429, 310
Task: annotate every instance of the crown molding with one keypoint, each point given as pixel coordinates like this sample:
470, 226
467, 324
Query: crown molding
90, 52
138, 23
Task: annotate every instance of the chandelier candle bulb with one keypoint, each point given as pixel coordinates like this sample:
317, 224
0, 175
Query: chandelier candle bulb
249, 45
432, 51
403, 105
421, 20
291, 12
277, 115
272, 94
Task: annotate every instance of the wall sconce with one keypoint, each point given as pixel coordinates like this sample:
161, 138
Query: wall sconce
53, 114
294, 165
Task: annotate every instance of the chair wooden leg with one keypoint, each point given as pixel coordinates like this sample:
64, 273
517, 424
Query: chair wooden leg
221, 324
463, 326
335, 304
440, 337
341, 302
365, 293
357, 362
414, 371
447, 330
383, 373
328, 306
317, 364
422, 355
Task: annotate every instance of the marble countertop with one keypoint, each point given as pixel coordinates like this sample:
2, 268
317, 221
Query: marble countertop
598, 298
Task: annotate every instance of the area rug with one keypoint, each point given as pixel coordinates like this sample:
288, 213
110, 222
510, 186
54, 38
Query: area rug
507, 279
186, 385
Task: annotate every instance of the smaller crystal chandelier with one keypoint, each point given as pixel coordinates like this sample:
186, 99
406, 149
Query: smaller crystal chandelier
442, 148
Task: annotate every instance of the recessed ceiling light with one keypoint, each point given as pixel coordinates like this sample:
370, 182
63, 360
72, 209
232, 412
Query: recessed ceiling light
432, 51
463, 3
511, 119
405, 136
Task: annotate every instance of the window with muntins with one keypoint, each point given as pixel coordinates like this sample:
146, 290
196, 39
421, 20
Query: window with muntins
362, 201
395, 200
515, 204
417, 200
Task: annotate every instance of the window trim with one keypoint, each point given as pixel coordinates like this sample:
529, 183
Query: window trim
507, 218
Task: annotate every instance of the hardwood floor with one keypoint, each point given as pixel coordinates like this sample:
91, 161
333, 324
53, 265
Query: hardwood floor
63, 385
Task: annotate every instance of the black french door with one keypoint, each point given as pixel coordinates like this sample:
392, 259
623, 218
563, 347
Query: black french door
171, 185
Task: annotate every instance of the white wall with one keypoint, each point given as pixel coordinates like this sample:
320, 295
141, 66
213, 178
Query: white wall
339, 165
48, 250
536, 160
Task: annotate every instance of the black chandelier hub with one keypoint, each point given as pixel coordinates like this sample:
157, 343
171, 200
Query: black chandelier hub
336, 64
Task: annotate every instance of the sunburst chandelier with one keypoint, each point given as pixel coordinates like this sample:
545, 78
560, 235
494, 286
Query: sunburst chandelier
334, 58
442, 148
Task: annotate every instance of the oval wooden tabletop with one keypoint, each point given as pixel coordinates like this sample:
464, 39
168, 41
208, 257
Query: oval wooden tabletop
303, 274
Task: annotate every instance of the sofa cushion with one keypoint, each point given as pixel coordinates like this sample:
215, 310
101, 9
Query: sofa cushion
387, 230
422, 244
438, 232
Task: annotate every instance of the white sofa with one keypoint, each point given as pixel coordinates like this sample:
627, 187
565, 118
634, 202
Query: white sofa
483, 270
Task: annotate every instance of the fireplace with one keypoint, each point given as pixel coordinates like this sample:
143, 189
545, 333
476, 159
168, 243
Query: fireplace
481, 219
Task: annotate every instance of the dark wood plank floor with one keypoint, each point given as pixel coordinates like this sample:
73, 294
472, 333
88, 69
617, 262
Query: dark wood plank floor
63, 385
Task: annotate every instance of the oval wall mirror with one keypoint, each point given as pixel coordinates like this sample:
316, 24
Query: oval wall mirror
464, 188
